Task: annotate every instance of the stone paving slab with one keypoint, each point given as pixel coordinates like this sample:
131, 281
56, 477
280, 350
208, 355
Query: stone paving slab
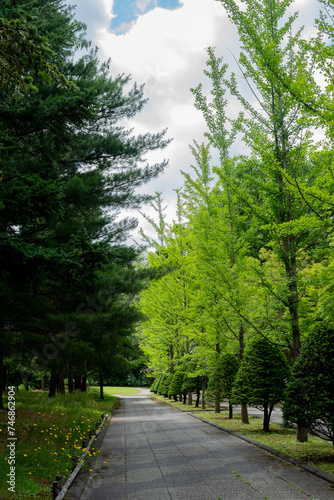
154, 452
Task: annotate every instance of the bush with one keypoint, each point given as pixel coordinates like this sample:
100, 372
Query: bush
164, 385
309, 399
262, 378
161, 383
175, 386
154, 386
221, 380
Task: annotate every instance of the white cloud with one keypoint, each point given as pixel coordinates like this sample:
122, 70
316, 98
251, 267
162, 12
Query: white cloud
165, 50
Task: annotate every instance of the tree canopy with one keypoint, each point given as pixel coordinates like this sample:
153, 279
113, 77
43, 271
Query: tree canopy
254, 230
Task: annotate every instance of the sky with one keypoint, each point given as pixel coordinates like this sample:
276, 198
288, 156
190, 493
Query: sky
162, 44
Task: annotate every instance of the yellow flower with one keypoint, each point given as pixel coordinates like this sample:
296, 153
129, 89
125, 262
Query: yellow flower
25, 455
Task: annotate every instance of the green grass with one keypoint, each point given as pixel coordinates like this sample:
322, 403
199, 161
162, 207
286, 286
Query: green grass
111, 391
49, 434
177, 404
315, 451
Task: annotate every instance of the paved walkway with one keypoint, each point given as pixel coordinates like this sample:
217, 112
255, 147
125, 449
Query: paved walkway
154, 452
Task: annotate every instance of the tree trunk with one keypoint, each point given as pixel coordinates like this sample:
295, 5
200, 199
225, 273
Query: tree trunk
244, 411
197, 397
217, 391
230, 410
266, 418
244, 414
302, 436
83, 386
101, 387
203, 391
42, 384
52, 384
70, 383
180, 397
5, 377
60, 383
171, 355
26, 384
175, 398
184, 398
1, 375
293, 299
77, 382
287, 242
190, 398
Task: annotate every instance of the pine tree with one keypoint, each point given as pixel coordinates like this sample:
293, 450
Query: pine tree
309, 400
262, 378
68, 169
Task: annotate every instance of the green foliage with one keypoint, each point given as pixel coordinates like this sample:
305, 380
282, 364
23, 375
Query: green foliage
251, 253
161, 384
223, 376
175, 387
155, 384
49, 438
164, 384
68, 168
309, 400
26, 56
262, 378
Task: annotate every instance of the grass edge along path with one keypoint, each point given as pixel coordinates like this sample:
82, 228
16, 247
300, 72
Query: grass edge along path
315, 456
49, 434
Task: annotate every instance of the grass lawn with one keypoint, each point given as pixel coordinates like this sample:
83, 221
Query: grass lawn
112, 391
315, 451
49, 434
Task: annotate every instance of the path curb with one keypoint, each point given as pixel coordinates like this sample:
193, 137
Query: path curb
308, 468
82, 459
75, 488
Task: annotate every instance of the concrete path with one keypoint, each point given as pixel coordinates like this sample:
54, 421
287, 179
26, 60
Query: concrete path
154, 452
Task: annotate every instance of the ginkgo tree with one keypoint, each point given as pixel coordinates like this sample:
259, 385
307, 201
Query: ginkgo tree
257, 228
280, 141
